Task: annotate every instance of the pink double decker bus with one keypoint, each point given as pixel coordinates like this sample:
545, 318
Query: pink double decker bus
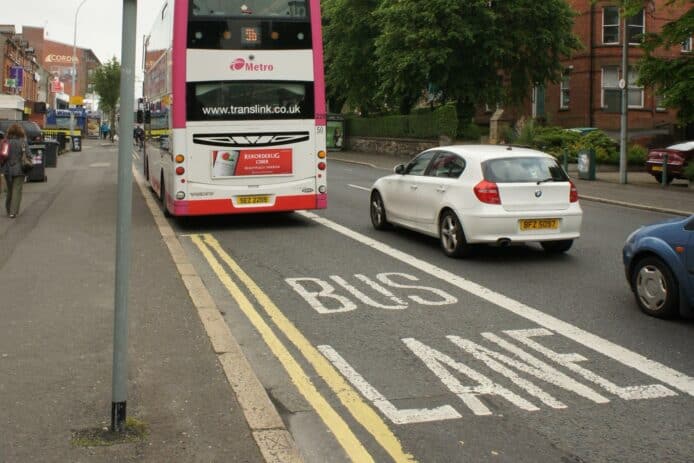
240, 86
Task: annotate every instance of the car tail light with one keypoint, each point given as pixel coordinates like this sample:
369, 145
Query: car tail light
573, 193
674, 158
180, 170
487, 192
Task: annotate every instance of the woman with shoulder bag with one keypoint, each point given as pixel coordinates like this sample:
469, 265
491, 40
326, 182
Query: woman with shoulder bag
14, 168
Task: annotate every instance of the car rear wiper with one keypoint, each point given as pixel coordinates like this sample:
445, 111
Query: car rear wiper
548, 179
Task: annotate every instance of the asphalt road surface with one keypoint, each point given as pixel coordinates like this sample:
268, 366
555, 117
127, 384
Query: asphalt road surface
374, 346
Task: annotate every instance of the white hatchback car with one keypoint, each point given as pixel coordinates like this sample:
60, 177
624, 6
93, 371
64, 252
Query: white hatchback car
481, 194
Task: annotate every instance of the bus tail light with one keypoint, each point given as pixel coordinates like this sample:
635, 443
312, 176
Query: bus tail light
322, 189
180, 158
321, 155
180, 170
180, 195
321, 166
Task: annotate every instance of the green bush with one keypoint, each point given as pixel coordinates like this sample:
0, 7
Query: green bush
689, 172
430, 124
605, 148
552, 140
470, 132
637, 155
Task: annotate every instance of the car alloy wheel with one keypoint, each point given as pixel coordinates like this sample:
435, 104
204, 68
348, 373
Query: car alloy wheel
655, 288
378, 212
451, 236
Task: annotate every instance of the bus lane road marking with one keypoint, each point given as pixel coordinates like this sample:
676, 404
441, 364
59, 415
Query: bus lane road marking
604, 347
399, 291
351, 400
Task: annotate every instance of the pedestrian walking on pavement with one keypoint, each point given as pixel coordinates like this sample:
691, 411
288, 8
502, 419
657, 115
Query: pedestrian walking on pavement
12, 169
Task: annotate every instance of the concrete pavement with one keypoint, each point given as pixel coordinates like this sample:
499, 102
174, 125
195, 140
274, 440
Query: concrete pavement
56, 311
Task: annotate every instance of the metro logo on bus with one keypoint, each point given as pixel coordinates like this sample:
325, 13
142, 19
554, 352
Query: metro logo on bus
240, 64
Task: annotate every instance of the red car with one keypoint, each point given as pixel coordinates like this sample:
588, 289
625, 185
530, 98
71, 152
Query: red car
678, 157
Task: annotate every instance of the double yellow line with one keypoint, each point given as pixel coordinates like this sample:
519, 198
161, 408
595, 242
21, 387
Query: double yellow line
363, 413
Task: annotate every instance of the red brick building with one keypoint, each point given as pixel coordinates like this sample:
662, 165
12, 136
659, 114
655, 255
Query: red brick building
56, 58
20, 67
589, 94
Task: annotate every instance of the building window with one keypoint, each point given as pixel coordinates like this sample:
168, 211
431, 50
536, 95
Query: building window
659, 105
565, 91
611, 94
635, 91
636, 28
687, 45
610, 24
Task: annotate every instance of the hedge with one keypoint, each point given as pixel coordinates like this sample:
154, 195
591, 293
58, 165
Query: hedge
442, 121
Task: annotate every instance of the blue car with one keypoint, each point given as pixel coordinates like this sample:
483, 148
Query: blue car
659, 265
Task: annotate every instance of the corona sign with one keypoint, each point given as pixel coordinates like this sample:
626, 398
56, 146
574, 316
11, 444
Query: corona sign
61, 59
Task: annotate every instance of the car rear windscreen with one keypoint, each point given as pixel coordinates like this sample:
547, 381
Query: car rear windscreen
523, 169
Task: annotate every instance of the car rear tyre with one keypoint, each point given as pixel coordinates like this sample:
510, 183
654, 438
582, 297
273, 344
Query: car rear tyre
378, 212
655, 288
452, 237
659, 178
557, 247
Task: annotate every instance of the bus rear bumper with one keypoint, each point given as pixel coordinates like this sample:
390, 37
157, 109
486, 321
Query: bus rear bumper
226, 206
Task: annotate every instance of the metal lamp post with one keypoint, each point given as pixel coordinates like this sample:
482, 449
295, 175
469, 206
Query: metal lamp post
74, 67
624, 85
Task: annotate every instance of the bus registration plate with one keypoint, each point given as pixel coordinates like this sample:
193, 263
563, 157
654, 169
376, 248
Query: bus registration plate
253, 199
538, 224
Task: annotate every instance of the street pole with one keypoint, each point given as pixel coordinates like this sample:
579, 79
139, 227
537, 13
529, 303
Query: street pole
124, 221
624, 83
74, 69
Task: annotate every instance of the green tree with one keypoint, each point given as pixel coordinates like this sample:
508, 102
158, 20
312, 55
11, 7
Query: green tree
106, 80
672, 77
349, 34
463, 47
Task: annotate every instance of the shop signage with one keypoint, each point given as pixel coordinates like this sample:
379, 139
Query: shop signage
17, 74
66, 59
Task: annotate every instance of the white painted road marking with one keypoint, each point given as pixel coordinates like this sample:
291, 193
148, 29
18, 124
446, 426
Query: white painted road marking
358, 187
607, 348
405, 416
326, 292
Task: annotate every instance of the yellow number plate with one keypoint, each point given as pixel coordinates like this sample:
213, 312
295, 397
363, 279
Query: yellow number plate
538, 224
253, 199
657, 168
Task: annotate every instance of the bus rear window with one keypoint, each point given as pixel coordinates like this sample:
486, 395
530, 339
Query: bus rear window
244, 100
295, 9
223, 34
249, 25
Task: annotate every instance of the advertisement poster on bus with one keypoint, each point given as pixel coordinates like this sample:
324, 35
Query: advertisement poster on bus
235, 163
